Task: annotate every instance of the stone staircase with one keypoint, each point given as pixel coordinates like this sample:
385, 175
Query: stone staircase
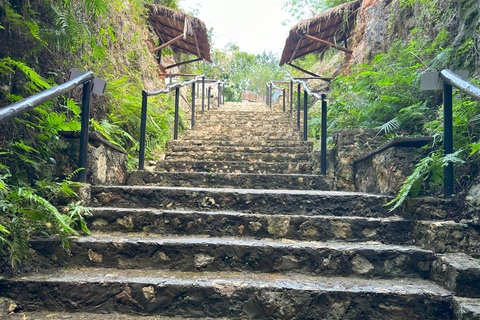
233, 225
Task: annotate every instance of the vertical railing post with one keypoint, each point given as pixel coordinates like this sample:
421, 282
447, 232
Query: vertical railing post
203, 94
271, 95
283, 100
291, 97
323, 142
193, 104
447, 138
223, 93
175, 125
266, 94
305, 115
143, 126
219, 93
208, 97
299, 94
83, 152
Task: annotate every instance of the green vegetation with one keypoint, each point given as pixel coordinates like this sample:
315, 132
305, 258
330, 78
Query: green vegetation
385, 94
39, 42
240, 70
303, 9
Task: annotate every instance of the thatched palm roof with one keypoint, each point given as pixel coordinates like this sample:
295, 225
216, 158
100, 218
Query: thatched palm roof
334, 25
169, 24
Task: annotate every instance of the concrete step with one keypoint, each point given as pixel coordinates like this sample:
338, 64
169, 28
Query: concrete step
238, 156
231, 180
226, 294
196, 253
235, 167
393, 230
260, 201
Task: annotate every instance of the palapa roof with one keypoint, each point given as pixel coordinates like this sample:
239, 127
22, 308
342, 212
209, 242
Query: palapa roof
169, 24
334, 25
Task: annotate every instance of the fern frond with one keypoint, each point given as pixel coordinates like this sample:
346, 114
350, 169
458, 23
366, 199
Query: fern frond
388, 126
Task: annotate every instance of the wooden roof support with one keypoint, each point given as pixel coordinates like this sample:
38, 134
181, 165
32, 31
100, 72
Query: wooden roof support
296, 48
182, 63
167, 43
303, 70
329, 43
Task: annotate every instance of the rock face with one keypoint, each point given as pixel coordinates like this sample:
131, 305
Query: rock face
107, 164
230, 234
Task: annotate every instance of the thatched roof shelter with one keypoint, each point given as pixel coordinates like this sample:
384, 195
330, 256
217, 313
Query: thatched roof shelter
182, 32
333, 26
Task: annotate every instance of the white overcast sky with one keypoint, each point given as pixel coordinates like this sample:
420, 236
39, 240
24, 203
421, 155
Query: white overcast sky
254, 25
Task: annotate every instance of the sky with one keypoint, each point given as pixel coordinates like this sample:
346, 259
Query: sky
254, 25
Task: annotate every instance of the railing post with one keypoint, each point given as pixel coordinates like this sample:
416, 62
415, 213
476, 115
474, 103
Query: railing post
203, 94
193, 104
305, 114
271, 96
223, 93
83, 152
209, 92
219, 93
323, 142
266, 95
291, 97
284, 100
299, 94
447, 138
175, 125
143, 126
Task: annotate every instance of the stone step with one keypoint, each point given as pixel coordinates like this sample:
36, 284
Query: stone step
196, 253
235, 167
227, 294
258, 126
458, 272
39, 315
393, 230
255, 144
466, 308
260, 201
237, 156
243, 136
231, 180
298, 149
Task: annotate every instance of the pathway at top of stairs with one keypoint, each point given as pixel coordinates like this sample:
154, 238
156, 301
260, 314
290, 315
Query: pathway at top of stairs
234, 225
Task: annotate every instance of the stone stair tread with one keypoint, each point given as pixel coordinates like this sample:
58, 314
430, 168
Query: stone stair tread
466, 308
239, 143
123, 211
253, 191
219, 280
233, 166
202, 253
56, 315
218, 180
393, 230
138, 237
280, 201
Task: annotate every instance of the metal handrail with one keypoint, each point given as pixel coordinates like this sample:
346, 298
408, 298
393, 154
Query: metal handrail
323, 142
450, 80
25, 105
466, 86
168, 89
